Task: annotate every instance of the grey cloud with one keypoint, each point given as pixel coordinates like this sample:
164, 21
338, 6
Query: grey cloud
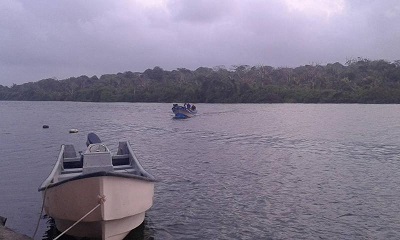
65, 38
200, 10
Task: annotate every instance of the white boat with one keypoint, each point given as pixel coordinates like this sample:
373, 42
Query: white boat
115, 188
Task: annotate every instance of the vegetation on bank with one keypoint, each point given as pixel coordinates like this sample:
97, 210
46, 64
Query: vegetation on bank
358, 81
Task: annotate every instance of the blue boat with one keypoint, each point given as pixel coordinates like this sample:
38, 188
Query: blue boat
186, 111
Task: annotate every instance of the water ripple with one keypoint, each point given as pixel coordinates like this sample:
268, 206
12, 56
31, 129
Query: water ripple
274, 171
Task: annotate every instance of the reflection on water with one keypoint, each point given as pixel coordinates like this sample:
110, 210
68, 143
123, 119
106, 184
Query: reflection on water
142, 232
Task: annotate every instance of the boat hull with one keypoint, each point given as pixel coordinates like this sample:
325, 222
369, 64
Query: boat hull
126, 200
182, 112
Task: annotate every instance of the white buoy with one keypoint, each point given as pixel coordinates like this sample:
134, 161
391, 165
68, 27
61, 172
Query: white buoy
73, 130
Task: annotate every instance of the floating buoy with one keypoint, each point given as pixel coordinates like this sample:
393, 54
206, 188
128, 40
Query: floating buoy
73, 130
45, 126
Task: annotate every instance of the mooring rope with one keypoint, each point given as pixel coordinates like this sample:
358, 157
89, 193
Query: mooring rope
102, 199
41, 212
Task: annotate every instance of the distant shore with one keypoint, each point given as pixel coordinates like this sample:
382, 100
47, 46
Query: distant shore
359, 81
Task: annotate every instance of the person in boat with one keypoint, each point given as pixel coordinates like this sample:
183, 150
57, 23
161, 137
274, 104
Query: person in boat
188, 106
193, 107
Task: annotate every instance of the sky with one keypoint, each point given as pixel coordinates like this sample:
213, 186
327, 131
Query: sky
68, 38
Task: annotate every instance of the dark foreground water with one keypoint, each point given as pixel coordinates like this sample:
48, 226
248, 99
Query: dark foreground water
235, 171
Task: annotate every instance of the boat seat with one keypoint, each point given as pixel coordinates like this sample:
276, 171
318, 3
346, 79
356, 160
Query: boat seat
71, 160
122, 148
118, 160
75, 162
69, 151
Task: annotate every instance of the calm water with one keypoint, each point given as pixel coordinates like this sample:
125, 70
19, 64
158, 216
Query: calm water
235, 171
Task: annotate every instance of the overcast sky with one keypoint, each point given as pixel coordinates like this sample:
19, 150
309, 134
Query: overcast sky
66, 38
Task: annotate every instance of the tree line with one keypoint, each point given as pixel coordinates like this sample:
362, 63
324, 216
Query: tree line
358, 81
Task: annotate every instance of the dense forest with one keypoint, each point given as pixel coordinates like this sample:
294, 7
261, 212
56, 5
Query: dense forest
358, 81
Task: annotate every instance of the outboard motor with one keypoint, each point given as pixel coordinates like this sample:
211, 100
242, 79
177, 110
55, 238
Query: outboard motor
92, 138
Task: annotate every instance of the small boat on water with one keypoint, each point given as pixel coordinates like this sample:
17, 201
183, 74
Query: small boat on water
185, 111
114, 191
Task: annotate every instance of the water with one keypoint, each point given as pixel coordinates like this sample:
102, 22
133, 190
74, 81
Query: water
235, 171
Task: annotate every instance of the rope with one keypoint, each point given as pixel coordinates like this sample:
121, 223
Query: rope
41, 212
102, 199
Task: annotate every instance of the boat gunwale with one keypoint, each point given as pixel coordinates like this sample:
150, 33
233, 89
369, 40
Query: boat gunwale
134, 164
100, 174
57, 168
